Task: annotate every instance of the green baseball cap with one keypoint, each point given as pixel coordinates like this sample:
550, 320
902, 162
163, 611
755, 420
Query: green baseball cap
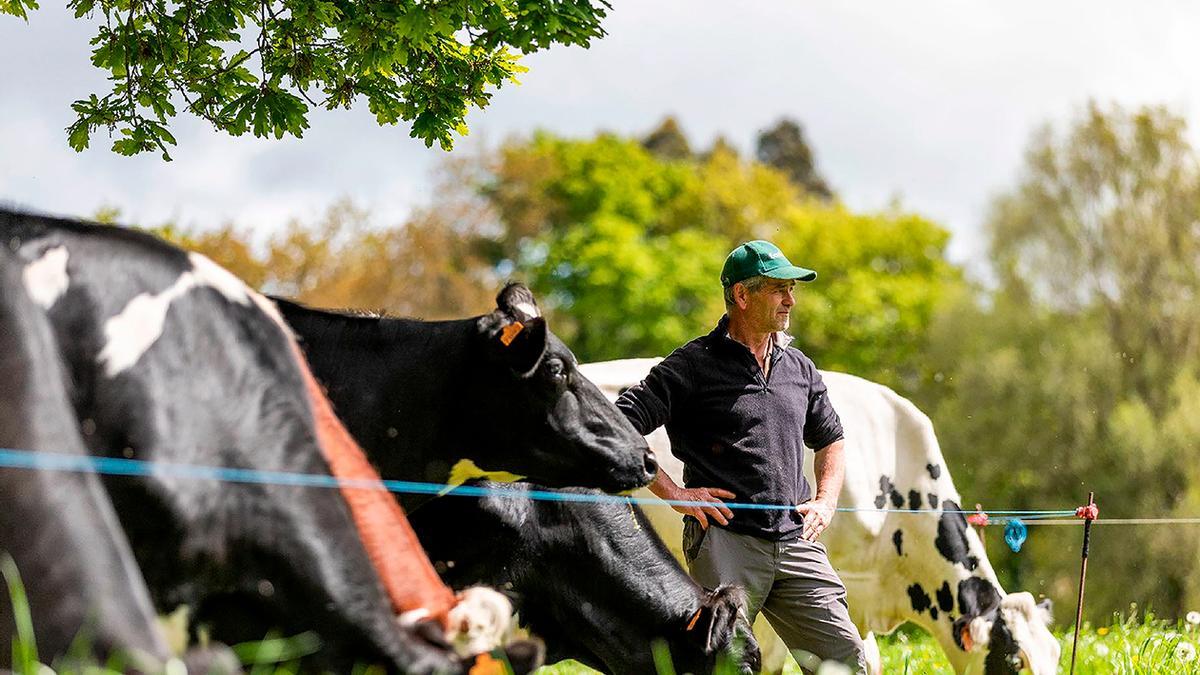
760, 258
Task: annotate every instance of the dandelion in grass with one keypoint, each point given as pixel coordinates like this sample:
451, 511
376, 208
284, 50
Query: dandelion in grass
1185, 651
1193, 618
1103, 630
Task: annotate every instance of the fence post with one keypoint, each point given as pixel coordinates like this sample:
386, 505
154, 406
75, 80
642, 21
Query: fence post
1087, 532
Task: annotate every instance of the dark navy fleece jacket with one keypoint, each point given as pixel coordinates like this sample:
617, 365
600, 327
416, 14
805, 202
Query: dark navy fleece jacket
735, 429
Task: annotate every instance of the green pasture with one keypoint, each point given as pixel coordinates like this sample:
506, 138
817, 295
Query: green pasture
1131, 644
1127, 646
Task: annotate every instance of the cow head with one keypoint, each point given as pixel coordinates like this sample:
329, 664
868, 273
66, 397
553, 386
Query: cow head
541, 417
1009, 632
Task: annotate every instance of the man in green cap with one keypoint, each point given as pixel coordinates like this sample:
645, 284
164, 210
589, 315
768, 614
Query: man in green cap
740, 405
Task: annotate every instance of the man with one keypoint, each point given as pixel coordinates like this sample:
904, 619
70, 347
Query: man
739, 405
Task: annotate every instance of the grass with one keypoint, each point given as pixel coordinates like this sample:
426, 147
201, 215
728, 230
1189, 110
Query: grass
1130, 644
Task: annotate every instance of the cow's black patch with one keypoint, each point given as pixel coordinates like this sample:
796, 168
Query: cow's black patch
914, 500
887, 489
885, 484
977, 597
898, 540
920, 599
945, 598
1003, 653
932, 500
951, 539
933, 613
935, 470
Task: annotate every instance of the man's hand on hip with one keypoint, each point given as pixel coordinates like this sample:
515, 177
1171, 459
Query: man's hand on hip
817, 516
665, 488
718, 511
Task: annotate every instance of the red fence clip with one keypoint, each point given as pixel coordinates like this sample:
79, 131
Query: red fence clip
979, 518
1089, 512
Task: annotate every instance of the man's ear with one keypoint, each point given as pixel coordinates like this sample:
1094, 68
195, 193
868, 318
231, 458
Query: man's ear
519, 344
741, 295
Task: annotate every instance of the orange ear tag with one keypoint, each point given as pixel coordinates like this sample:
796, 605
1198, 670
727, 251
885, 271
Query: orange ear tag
965, 635
485, 664
510, 332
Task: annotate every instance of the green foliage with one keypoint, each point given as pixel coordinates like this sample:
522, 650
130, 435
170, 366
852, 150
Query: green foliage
24, 643
1080, 370
259, 66
18, 8
626, 249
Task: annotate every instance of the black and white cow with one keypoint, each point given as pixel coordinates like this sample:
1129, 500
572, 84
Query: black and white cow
61, 529
593, 580
147, 352
471, 397
930, 569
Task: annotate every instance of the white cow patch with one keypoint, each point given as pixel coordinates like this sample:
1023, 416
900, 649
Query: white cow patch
46, 278
210, 274
132, 332
480, 621
528, 309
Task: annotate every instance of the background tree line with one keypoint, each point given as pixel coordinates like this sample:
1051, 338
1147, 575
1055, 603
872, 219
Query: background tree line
1075, 367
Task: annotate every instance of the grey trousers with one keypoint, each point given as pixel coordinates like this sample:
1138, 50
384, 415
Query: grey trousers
792, 583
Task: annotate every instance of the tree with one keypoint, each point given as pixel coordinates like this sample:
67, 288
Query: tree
422, 268
1080, 371
668, 141
626, 249
784, 147
260, 65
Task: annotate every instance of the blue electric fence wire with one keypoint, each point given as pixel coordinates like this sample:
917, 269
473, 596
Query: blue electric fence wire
119, 466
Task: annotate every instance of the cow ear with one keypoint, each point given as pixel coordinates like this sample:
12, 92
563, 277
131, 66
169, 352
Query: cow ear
517, 301
1046, 609
980, 630
972, 633
519, 344
724, 606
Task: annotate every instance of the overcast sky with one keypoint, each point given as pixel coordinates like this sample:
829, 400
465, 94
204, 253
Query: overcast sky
933, 102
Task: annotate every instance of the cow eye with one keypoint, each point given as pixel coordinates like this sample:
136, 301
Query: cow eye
557, 370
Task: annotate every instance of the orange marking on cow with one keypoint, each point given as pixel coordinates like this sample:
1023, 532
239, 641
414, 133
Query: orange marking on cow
485, 664
510, 332
391, 544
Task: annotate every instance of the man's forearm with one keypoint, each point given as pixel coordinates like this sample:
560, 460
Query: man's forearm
662, 485
829, 464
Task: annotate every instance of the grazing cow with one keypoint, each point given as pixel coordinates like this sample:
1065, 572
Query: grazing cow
61, 530
496, 393
166, 357
593, 580
930, 569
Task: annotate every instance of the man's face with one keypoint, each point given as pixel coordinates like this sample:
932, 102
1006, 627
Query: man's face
769, 307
